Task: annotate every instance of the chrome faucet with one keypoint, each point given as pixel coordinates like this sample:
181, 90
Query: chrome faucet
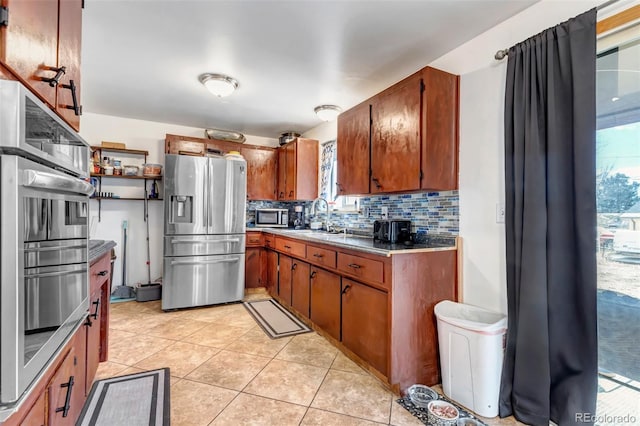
313, 211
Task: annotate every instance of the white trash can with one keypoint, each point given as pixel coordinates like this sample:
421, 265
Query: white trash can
471, 342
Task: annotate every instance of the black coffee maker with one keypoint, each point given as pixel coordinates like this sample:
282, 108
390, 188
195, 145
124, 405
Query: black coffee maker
298, 217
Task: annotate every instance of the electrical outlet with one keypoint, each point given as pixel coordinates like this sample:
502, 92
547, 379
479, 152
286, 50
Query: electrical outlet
500, 213
385, 212
366, 212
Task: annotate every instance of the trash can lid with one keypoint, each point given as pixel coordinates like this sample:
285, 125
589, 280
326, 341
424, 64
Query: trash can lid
470, 317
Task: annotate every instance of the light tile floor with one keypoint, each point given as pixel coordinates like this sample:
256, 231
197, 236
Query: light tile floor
226, 371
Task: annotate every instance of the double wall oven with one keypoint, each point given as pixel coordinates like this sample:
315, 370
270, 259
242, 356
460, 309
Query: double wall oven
43, 237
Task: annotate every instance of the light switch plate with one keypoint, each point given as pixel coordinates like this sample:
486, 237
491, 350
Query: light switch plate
500, 213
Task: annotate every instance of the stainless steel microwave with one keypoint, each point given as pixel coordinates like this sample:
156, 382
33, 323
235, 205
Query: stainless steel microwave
272, 218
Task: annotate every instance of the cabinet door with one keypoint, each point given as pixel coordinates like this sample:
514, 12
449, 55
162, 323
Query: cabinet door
284, 284
365, 323
253, 268
325, 301
70, 34
66, 389
29, 44
300, 287
282, 173
353, 158
37, 414
290, 172
395, 138
440, 130
306, 170
93, 337
272, 272
261, 173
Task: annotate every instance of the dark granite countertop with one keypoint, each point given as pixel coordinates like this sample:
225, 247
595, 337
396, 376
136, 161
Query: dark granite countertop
364, 243
97, 249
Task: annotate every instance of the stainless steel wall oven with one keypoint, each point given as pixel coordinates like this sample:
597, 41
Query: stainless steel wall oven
43, 238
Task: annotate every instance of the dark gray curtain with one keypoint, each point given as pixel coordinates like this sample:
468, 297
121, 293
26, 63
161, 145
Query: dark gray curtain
550, 366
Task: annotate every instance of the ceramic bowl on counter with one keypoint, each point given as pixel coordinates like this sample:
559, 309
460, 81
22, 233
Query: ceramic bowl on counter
442, 413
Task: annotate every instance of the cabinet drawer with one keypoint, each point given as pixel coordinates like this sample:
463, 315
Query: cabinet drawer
269, 241
254, 239
292, 247
363, 268
321, 256
99, 272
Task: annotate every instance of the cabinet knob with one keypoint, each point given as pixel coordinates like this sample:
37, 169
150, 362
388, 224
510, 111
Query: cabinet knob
377, 182
313, 274
346, 288
102, 273
294, 266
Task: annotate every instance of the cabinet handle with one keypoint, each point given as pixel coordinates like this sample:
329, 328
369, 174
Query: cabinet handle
287, 247
318, 255
88, 322
346, 288
281, 195
294, 266
290, 193
377, 182
96, 303
102, 273
254, 241
53, 82
354, 266
339, 187
77, 109
313, 274
67, 399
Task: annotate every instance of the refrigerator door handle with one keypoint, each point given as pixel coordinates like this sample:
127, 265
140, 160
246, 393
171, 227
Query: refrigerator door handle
191, 241
202, 262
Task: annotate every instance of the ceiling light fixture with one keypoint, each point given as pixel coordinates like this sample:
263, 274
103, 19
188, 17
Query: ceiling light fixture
327, 112
219, 84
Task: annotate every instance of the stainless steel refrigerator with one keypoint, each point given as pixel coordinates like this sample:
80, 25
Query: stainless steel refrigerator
204, 232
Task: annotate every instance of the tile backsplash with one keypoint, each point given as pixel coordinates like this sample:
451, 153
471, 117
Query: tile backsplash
429, 212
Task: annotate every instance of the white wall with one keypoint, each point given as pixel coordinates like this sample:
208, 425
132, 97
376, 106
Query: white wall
323, 132
145, 135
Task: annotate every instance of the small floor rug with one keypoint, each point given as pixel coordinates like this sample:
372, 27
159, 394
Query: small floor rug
421, 413
275, 320
132, 400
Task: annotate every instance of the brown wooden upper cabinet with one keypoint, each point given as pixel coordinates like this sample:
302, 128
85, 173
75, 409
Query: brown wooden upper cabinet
402, 139
42, 37
353, 150
262, 162
298, 170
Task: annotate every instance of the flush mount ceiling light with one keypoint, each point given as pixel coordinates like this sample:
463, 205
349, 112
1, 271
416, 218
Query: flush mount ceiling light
219, 84
327, 112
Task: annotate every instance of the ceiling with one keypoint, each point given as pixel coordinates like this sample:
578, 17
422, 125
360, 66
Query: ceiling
141, 58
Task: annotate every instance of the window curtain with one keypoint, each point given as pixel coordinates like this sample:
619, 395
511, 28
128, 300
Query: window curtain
550, 365
327, 160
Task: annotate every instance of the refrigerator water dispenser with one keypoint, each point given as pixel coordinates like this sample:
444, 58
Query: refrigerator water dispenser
181, 208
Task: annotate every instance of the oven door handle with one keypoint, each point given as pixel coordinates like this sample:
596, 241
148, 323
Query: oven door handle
54, 248
55, 182
55, 274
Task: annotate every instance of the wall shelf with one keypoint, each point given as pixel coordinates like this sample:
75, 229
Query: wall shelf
100, 176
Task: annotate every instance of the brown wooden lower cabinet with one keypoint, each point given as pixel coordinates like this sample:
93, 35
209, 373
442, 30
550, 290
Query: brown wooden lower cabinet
37, 414
300, 287
365, 323
325, 301
284, 282
272, 272
253, 267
